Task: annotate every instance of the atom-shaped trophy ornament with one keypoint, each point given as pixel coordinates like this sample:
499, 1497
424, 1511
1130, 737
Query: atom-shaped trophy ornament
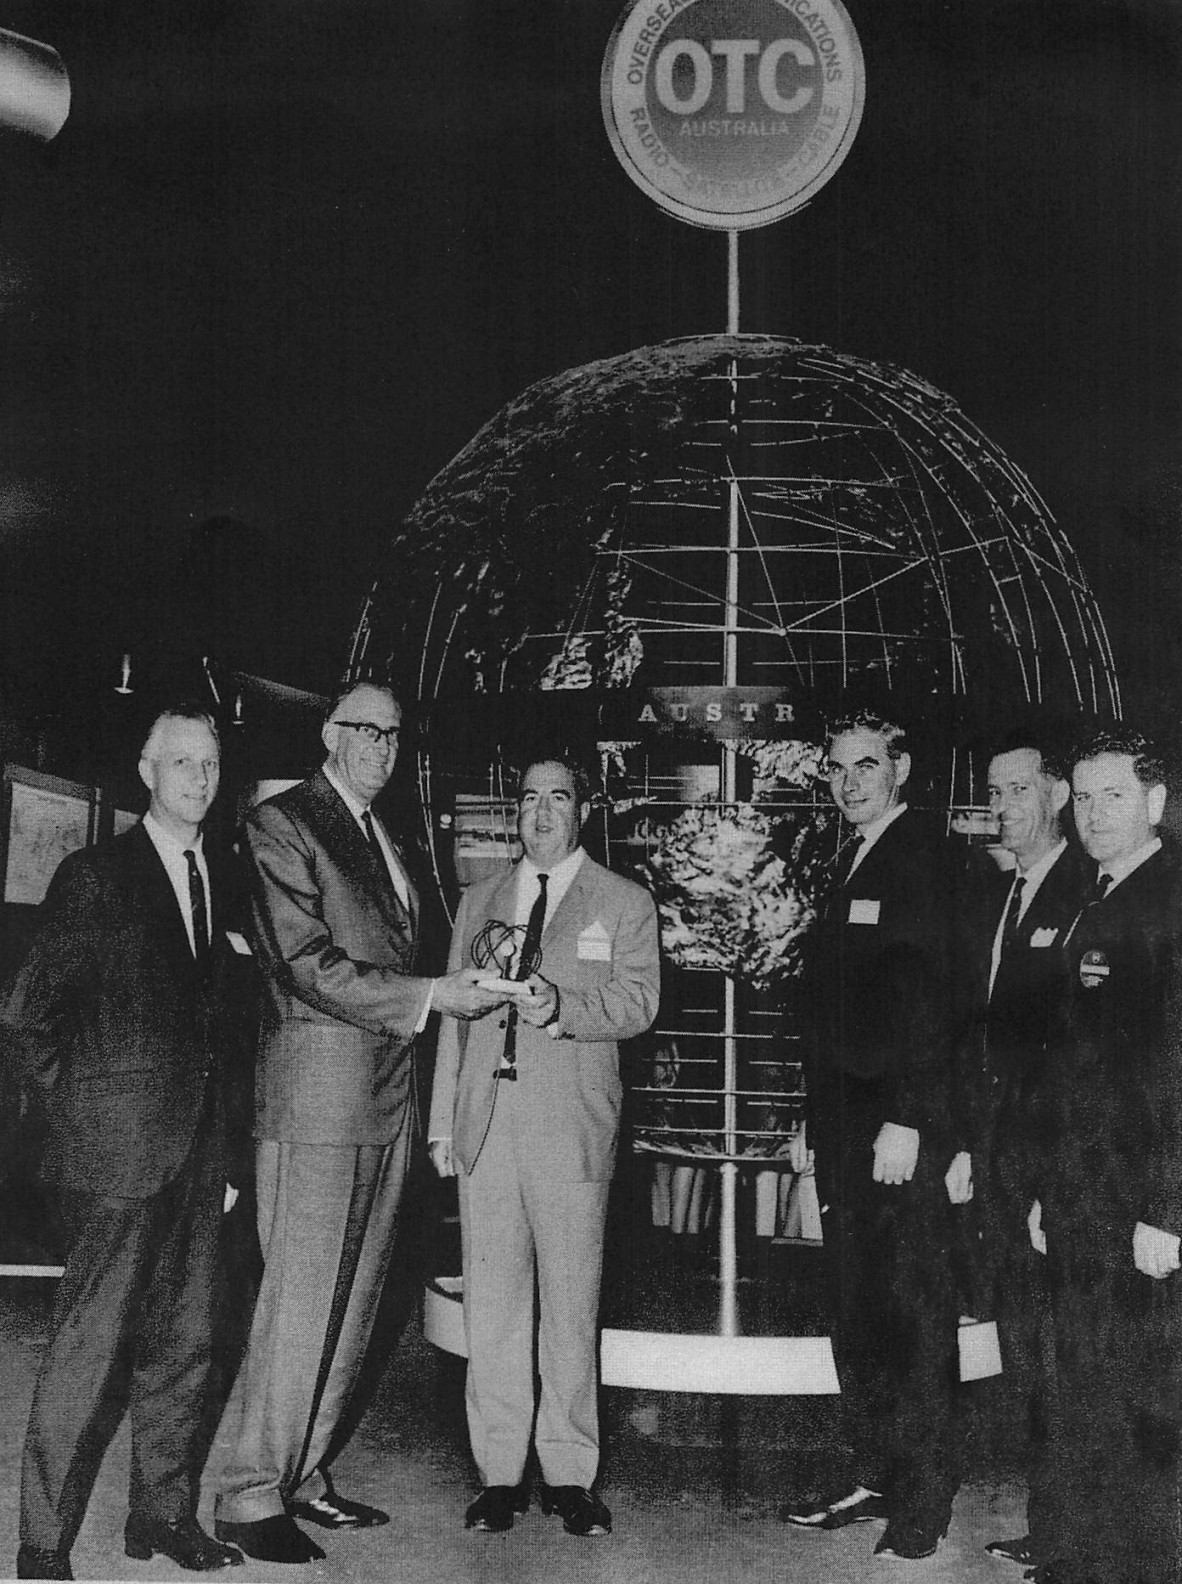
502, 947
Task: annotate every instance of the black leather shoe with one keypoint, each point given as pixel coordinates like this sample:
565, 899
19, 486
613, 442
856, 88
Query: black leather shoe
32, 1562
859, 1505
580, 1511
338, 1512
278, 1539
1020, 1551
183, 1540
493, 1509
907, 1542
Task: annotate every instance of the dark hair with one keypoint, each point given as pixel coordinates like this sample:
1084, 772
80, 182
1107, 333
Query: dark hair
1054, 756
339, 698
570, 761
893, 735
186, 710
1148, 764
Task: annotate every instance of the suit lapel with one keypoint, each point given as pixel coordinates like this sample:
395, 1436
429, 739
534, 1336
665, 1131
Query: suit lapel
345, 840
150, 878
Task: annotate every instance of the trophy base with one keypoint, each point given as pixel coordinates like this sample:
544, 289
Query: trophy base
512, 987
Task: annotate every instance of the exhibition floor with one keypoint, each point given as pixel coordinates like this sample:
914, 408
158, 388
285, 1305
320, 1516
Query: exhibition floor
685, 1508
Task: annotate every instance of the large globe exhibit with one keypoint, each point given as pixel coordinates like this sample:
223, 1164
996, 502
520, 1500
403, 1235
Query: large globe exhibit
687, 557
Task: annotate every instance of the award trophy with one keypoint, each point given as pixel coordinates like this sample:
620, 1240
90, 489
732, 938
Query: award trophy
501, 949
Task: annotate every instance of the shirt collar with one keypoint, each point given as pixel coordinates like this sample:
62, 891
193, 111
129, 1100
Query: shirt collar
355, 807
1037, 872
559, 873
1122, 870
165, 843
869, 834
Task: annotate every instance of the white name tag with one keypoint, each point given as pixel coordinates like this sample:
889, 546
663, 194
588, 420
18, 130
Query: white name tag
239, 943
864, 910
595, 944
1044, 937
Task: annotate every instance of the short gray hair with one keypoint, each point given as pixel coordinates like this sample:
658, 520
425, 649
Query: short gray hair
184, 711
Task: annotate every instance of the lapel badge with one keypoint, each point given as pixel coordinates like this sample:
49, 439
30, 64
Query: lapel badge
1093, 969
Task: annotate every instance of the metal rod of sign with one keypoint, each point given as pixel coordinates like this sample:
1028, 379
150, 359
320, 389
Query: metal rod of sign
728, 1255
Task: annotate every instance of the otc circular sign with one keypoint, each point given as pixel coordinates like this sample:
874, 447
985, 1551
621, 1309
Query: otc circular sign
732, 113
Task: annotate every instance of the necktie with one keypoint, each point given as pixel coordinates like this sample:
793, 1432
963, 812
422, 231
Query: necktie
1100, 891
1009, 926
375, 844
525, 966
199, 913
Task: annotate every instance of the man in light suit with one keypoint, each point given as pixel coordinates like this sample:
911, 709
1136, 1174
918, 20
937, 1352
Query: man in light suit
120, 1013
336, 916
526, 1107
878, 1070
1013, 965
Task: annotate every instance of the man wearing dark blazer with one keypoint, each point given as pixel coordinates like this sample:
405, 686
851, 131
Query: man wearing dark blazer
878, 1072
1012, 960
1109, 1215
335, 930
526, 1107
120, 1014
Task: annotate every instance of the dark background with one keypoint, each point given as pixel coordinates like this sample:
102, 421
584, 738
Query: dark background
286, 257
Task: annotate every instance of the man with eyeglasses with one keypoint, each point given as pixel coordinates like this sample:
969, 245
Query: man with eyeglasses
1109, 1179
336, 918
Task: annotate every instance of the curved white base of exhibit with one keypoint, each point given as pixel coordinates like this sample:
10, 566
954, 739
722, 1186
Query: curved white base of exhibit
673, 1361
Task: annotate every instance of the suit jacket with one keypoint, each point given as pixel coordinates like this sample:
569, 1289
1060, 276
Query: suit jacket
601, 949
1003, 1051
875, 990
111, 1019
338, 951
1107, 1121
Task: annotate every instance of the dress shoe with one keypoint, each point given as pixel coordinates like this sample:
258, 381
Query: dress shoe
33, 1562
494, 1508
278, 1539
338, 1512
857, 1506
580, 1511
1020, 1551
907, 1542
183, 1540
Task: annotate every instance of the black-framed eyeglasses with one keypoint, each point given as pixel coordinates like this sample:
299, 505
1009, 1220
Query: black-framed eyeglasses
385, 736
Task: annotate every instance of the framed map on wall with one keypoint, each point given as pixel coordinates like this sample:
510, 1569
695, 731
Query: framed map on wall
43, 818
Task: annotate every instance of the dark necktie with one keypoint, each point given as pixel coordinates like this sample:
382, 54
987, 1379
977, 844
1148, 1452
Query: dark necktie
1100, 890
1009, 926
379, 854
525, 966
199, 913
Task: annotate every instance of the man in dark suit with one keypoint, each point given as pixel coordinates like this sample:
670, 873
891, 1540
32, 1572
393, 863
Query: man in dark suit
1014, 965
336, 921
878, 1072
527, 1107
119, 1012
1108, 1214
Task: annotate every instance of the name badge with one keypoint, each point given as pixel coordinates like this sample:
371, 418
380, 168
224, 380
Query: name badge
864, 910
594, 944
1044, 937
1093, 969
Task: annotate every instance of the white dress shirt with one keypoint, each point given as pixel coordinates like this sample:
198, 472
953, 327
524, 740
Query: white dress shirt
172, 856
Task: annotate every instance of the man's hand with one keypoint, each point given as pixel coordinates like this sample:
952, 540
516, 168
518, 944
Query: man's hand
958, 1179
460, 996
896, 1150
800, 1157
1038, 1238
441, 1157
538, 1007
1155, 1252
